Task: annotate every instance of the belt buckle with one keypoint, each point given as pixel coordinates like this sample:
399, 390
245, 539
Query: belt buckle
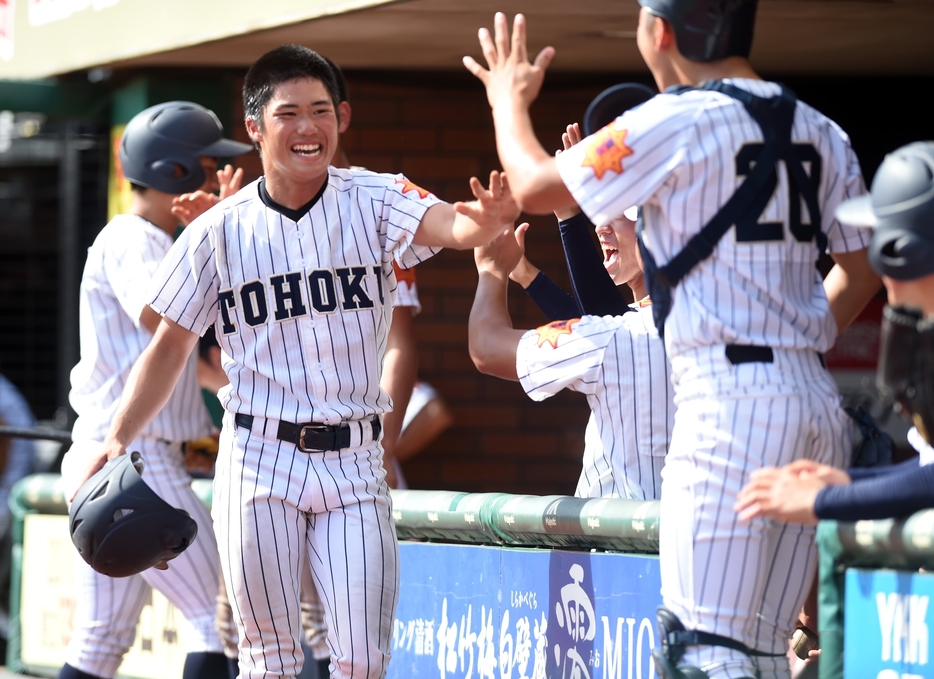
301, 436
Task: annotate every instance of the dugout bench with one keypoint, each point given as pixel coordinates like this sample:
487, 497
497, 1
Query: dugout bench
499, 585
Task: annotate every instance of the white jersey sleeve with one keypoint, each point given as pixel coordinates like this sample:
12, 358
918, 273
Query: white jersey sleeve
842, 237
185, 287
563, 355
405, 205
624, 163
134, 249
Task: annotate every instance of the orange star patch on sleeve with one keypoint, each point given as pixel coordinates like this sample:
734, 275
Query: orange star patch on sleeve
551, 332
606, 150
404, 275
409, 186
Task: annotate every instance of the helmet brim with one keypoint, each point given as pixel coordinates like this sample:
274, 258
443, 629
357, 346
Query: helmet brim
857, 212
225, 148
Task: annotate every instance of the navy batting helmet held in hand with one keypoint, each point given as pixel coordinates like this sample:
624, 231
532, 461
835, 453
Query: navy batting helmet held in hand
900, 207
121, 527
161, 146
708, 30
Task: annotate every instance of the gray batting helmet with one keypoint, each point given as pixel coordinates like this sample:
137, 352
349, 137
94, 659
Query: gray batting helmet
708, 30
121, 527
161, 146
900, 207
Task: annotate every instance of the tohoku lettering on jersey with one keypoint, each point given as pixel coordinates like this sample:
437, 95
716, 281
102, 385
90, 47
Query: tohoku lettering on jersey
302, 299
681, 156
619, 363
295, 294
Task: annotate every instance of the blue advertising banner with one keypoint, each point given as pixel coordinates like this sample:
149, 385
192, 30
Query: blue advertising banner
887, 624
488, 612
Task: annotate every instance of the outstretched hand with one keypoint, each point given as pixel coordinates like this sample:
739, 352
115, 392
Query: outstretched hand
189, 206
502, 254
494, 208
509, 75
787, 493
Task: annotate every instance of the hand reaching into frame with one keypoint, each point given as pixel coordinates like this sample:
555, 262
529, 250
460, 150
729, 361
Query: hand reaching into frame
568, 138
787, 493
502, 254
494, 207
509, 76
189, 206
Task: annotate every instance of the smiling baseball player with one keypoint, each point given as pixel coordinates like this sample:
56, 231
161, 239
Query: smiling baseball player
760, 174
296, 271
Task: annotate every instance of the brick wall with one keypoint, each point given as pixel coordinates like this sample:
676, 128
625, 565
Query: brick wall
437, 129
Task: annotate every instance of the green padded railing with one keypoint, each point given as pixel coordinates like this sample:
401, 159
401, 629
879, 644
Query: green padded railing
906, 544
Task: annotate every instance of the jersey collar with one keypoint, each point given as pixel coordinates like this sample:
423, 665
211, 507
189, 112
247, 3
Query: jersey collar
294, 215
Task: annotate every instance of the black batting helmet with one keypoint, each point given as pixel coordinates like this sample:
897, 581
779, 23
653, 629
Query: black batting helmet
161, 146
612, 103
900, 207
121, 527
708, 30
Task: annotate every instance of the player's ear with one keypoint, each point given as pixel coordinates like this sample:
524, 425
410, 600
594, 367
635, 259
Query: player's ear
343, 116
254, 130
663, 33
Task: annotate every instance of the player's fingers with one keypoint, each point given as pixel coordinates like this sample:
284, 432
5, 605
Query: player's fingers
504, 182
501, 35
496, 188
520, 232
468, 210
543, 60
574, 133
476, 187
488, 47
566, 141
519, 51
763, 473
481, 73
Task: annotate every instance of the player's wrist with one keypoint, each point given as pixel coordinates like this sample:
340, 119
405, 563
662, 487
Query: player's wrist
524, 274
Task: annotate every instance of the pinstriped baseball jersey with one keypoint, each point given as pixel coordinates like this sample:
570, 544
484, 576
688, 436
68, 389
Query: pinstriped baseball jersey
318, 281
619, 363
113, 290
596, 479
407, 289
681, 156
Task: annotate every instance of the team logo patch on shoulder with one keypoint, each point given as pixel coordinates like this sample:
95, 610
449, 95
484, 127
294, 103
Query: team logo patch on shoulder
404, 275
606, 150
552, 332
409, 186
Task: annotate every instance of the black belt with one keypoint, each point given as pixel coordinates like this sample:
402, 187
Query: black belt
747, 353
750, 353
313, 437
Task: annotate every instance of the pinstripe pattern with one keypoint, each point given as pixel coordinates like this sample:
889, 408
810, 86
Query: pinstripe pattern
108, 609
619, 363
274, 501
303, 310
681, 171
742, 580
118, 271
596, 479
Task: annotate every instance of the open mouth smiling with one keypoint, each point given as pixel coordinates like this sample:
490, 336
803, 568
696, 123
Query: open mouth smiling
307, 150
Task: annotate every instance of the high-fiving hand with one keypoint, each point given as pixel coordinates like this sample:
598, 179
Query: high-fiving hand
509, 76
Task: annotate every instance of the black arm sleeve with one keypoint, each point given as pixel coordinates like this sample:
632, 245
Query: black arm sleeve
595, 291
555, 303
893, 491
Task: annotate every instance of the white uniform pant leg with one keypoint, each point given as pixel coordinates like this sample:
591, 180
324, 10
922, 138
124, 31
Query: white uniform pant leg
354, 558
743, 580
260, 535
108, 609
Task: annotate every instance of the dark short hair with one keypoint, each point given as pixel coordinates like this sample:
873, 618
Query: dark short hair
288, 62
342, 95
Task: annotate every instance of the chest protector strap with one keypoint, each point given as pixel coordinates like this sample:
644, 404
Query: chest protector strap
774, 116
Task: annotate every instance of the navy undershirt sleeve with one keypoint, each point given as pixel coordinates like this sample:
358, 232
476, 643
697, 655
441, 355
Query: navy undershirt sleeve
595, 291
555, 303
879, 493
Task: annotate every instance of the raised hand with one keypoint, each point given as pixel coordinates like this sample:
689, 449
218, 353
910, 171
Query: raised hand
568, 138
502, 254
494, 208
189, 206
509, 75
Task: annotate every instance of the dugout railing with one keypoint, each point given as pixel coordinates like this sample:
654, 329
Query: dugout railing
500, 585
